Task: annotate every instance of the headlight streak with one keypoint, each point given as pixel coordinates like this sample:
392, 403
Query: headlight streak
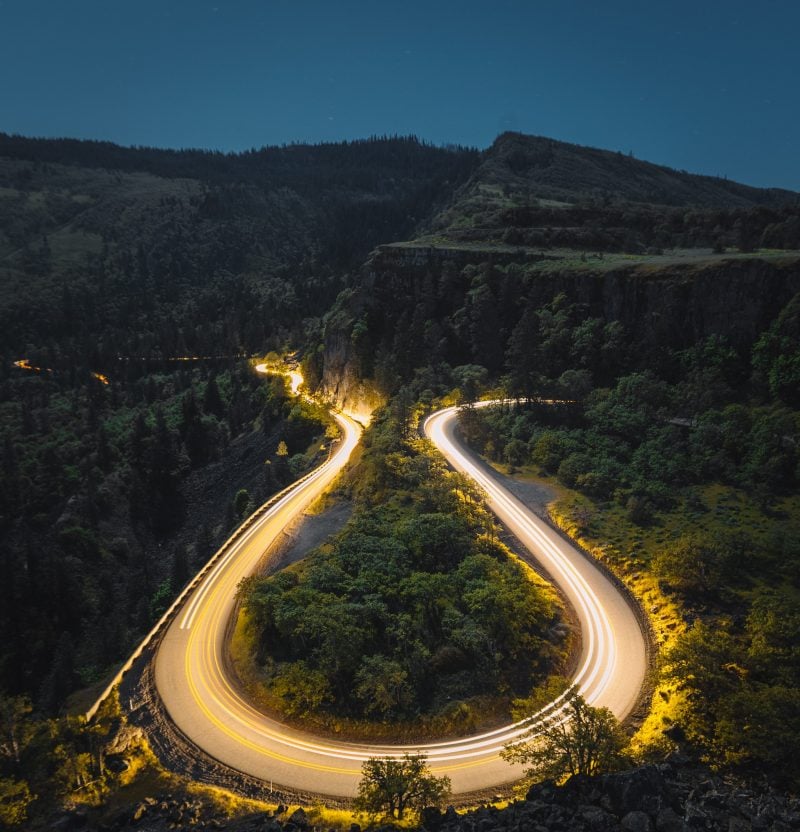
225, 722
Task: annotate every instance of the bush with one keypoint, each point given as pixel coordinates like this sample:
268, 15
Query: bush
391, 787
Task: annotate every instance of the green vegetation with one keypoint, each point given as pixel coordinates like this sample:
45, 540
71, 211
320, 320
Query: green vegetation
106, 774
581, 740
742, 686
685, 482
47, 762
413, 611
100, 484
391, 787
543, 268
160, 271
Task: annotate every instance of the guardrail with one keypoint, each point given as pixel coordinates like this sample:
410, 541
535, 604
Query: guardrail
167, 617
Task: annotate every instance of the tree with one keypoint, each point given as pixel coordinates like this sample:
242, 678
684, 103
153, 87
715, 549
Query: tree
212, 401
382, 684
579, 739
689, 564
241, 502
390, 786
301, 688
522, 354
15, 797
16, 729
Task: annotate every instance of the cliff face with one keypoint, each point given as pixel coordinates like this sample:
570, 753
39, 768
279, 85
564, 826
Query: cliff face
341, 381
675, 306
405, 290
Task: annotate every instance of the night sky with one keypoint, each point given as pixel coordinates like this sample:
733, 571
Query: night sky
710, 86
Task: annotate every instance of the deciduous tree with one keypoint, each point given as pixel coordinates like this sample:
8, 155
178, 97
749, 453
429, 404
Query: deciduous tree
391, 787
579, 739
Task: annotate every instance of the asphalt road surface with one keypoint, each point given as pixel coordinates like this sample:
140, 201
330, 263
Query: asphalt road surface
192, 680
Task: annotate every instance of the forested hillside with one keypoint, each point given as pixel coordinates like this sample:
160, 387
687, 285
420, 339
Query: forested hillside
133, 284
108, 252
647, 319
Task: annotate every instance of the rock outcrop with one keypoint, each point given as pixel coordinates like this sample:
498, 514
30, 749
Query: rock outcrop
670, 797
662, 304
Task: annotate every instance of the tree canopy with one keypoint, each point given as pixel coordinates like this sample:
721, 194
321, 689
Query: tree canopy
391, 787
576, 739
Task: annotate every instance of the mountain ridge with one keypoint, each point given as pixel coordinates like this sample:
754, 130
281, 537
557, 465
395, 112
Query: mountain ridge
516, 151
655, 183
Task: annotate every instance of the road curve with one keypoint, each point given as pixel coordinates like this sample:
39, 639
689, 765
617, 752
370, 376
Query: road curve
190, 665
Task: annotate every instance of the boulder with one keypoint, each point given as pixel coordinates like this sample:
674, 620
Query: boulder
668, 820
637, 821
430, 818
299, 819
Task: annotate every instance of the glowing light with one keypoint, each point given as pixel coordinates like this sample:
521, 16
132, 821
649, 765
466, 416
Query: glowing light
192, 678
25, 364
295, 377
170, 358
295, 381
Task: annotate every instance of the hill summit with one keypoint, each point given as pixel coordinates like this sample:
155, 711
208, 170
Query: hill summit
547, 169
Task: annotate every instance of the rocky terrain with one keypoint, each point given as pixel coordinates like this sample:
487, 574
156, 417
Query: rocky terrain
673, 796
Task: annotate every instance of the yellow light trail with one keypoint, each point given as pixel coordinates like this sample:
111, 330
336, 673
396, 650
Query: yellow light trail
195, 686
25, 364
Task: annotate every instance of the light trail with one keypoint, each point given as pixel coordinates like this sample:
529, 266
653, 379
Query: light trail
184, 358
25, 364
295, 377
193, 678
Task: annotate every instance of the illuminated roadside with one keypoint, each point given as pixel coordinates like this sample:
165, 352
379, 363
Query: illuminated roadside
193, 680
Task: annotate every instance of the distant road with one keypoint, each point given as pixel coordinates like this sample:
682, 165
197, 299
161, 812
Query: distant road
191, 670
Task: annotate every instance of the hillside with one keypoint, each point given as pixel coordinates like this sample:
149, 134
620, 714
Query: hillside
535, 167
674, 257
132, 284
654, 352
164, 253
539, 193
660, 308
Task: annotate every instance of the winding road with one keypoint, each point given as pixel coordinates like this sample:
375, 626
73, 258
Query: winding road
193, 682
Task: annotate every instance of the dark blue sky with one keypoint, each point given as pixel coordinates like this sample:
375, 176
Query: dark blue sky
712, 86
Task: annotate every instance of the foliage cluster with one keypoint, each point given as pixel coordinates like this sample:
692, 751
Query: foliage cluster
93, 505
741, 683
575, 740
45, 763
412, 610
390, 787
652, 444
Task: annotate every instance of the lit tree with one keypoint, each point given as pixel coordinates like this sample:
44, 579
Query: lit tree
580, 740
391, 787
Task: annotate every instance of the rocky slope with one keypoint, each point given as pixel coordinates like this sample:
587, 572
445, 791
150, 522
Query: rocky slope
669, 797
547, 169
